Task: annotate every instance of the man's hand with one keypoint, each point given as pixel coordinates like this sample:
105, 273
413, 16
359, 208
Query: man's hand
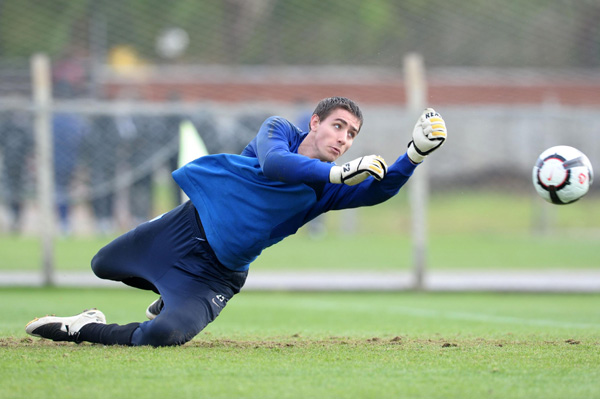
429, 135
356, 171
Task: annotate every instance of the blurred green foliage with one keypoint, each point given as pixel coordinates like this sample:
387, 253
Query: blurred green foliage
536, 33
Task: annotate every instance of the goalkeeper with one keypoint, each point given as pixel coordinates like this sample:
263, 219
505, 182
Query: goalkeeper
197, 256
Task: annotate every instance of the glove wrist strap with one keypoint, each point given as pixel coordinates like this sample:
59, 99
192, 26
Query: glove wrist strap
414, 154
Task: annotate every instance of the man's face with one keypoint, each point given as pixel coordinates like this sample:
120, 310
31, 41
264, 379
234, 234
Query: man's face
333, 136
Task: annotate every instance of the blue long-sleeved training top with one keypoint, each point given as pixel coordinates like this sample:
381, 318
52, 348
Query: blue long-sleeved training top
251, 201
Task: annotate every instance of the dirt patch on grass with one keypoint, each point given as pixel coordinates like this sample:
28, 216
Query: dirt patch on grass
301, 342
296, 341
27, 341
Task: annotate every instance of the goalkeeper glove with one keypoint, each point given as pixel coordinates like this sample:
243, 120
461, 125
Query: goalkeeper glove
356, 171
429, 134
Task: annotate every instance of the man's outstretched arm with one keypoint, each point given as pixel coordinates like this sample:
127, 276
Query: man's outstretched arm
278, 162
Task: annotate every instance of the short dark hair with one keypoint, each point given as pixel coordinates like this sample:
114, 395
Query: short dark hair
328, 105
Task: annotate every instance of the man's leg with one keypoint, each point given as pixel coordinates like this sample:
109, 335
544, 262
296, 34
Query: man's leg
141, 256
181, 319
187, 311
124, 259
194, 292
171, 254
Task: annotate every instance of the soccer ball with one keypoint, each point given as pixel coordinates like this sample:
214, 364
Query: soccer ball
562, 175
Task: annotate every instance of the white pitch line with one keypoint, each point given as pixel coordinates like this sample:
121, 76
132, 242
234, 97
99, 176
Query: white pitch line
440, 314
486, 318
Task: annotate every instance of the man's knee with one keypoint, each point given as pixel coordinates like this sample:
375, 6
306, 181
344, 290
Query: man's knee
176, 324
98, 265
160, 332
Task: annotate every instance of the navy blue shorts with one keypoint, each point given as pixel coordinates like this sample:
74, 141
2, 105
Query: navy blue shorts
170, 255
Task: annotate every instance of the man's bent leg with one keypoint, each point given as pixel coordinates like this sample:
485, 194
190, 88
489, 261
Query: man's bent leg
108, 334
179, 321
182, 318
135, 258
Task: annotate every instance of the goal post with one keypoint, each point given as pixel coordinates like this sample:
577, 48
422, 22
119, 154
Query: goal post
416, 94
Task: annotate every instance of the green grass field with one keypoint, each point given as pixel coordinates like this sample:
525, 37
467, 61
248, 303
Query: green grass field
475, 230
317, 345
340, 345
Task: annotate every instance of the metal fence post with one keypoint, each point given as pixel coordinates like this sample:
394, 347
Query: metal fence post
416, 94
42, 99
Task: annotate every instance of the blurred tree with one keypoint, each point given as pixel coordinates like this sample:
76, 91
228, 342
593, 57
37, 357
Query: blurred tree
491, 33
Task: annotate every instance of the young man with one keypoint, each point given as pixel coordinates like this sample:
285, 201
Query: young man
196, 257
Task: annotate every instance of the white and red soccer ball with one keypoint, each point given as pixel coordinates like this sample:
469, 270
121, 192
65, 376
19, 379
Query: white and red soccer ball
562, 175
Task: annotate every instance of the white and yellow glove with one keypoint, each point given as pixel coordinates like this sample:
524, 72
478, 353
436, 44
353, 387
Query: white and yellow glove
429, 135
357, 171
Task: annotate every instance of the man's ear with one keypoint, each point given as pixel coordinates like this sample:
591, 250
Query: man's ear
314, 122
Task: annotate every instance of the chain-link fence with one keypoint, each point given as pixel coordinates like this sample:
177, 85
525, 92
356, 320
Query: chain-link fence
510, 79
